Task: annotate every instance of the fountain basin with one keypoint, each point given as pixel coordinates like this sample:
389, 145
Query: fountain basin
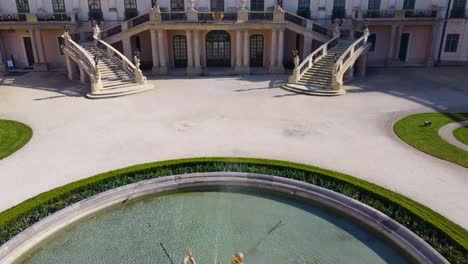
311, 217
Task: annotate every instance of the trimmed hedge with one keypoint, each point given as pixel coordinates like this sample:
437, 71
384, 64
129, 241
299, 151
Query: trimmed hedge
448, 238
13, 136
426, 138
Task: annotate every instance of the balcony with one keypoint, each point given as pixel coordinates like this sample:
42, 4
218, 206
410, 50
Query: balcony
458, 13
12, 17
54, 17
392, 14
43, 18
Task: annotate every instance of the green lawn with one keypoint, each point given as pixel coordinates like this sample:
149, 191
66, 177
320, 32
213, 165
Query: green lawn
411, 129
461, 134
13, 136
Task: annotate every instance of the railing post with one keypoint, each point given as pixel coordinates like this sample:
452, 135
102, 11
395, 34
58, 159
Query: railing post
337, 81
125, 26
310, 24
30, 17
242, 15
278, 14
296, 75
73, 17
155, 14
192, 16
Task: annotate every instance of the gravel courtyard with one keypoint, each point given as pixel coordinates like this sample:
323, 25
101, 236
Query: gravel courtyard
249, 116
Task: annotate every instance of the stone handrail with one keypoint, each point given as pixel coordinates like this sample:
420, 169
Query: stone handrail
308, 62
81, 57
341, 64
124, 62
349, 52
137, 20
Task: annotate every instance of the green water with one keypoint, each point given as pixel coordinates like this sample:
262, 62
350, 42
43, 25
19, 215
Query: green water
216, 225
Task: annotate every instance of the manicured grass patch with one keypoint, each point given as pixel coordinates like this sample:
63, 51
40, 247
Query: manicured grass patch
426, 138
13, 136
445, 236
461, 134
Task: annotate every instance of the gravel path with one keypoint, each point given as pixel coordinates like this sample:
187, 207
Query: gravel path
75, 138
446, 132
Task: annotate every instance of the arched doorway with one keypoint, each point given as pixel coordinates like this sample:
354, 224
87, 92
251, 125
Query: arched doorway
218, 49
179, 43
256, 51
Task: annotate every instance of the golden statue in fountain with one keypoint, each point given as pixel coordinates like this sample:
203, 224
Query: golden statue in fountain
238, 258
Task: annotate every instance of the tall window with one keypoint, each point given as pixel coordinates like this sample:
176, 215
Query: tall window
58, 6
257, 5
217, 5
458, 9
374, 5
94, 4
339, 10
409, 4
451, 44
303, 8
130, 9
95, 11
22, 6
177, 5
130, 4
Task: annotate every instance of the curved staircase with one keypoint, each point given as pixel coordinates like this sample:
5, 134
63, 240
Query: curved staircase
115, 80
321, 73
111, 74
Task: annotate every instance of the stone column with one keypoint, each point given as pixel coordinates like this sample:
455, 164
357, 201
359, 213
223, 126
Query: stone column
281, 50
162, 52
197, 70
396, 50
40, 46
273, 50
246, 52
127, 48
188, 34
307, 45
82, 75
154, 51
3, 67
34, 48
71, 68
391, 49
238, 68
432, 44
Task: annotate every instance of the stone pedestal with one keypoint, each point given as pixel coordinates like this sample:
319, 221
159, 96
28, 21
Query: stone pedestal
242, 16
278, 16
192, 16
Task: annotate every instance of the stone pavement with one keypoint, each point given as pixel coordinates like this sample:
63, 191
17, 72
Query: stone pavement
75, 138
446, 133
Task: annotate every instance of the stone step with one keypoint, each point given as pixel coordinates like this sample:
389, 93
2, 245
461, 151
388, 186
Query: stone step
316, 84
120, 91
311, 90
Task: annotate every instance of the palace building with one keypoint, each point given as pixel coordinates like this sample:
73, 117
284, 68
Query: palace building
197, 37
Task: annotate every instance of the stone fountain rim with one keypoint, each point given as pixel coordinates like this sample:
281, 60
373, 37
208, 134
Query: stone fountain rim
29, 239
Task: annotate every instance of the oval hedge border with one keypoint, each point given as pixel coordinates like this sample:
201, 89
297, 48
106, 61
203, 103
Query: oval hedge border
13, 136
448, 238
